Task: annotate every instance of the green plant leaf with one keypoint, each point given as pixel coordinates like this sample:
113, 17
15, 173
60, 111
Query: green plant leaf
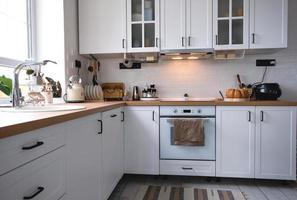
5, 85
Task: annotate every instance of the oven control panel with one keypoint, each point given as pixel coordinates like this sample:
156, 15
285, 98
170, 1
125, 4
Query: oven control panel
187, 111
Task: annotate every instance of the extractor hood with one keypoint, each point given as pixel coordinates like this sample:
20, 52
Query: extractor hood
186, 54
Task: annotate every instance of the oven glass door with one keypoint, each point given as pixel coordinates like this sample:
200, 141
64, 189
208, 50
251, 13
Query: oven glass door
168, 151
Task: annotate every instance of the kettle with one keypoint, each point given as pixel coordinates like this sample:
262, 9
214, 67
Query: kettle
75, 92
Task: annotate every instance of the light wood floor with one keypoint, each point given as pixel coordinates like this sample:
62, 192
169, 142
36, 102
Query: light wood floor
252, 189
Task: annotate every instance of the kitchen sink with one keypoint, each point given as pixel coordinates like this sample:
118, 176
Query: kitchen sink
46, 108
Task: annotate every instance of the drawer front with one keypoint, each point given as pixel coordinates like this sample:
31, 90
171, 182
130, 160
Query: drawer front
20, 149
187, 168
41, 179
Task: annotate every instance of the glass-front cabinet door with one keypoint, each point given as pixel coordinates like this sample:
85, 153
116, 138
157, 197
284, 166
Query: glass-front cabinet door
143, 25
230, 24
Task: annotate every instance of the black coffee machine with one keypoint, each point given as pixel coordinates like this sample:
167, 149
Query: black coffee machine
266, 91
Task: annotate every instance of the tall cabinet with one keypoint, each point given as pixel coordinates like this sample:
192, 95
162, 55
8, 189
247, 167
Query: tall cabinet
231, 24
268, 24
143, 25
186, 24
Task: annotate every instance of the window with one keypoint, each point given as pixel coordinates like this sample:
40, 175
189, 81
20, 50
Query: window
15, 31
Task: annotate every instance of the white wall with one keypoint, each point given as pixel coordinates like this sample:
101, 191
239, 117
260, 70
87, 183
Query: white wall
71, 39
204, 78
49, 25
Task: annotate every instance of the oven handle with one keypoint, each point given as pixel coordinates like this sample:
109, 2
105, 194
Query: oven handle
187, 168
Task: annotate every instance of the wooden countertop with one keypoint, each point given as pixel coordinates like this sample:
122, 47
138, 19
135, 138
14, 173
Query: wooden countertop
17, 123
211, 103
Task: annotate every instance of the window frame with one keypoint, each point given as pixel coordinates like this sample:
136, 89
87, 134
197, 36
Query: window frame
8, 62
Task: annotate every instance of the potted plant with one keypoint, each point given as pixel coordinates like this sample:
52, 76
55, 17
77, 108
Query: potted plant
5, 85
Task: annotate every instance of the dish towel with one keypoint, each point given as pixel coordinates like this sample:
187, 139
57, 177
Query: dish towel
188, 132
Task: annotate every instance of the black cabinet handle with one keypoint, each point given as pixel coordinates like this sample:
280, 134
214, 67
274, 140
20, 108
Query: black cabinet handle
39, 190
153, 116
189, 41
123, 43
262, 116
250, 116
112, 116
217, 39
183, 41
33, 146
101, 127
157, 42
254, 38
123, 116
187, 168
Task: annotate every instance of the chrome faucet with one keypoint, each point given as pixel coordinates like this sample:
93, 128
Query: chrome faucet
17, 98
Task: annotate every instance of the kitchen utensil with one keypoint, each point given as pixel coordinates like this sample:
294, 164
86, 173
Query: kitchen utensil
135, 94
221, 94
75, 91
240, 84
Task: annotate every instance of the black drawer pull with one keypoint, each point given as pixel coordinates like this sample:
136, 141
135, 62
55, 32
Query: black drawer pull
112, 116
187, 168
34, 146
39, 190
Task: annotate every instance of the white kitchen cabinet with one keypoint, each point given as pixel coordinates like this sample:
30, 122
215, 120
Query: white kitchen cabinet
268, 24
173, 26
235, 143
143, 26
21, 149
141, 130
102, 26
84, 155
186, 24
43, 178
112, 150
276, 143
199, 24
230, 24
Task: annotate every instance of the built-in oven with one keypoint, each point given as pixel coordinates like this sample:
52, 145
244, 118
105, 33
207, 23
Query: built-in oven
170, 151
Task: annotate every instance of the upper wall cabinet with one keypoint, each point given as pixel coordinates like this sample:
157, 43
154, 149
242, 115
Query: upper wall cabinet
102, 26
268, 24
143, 25
186, 24
231, 24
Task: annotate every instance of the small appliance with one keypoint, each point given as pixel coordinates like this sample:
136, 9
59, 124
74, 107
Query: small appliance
135, 95
75, 92
266, 91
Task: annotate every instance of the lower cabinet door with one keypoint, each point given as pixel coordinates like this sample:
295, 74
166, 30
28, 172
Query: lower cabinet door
276, 143
235, 146
41, 179
112, 151
142, 140
83, 146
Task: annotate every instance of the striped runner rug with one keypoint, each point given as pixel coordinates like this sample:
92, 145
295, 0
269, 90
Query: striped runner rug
150, 192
